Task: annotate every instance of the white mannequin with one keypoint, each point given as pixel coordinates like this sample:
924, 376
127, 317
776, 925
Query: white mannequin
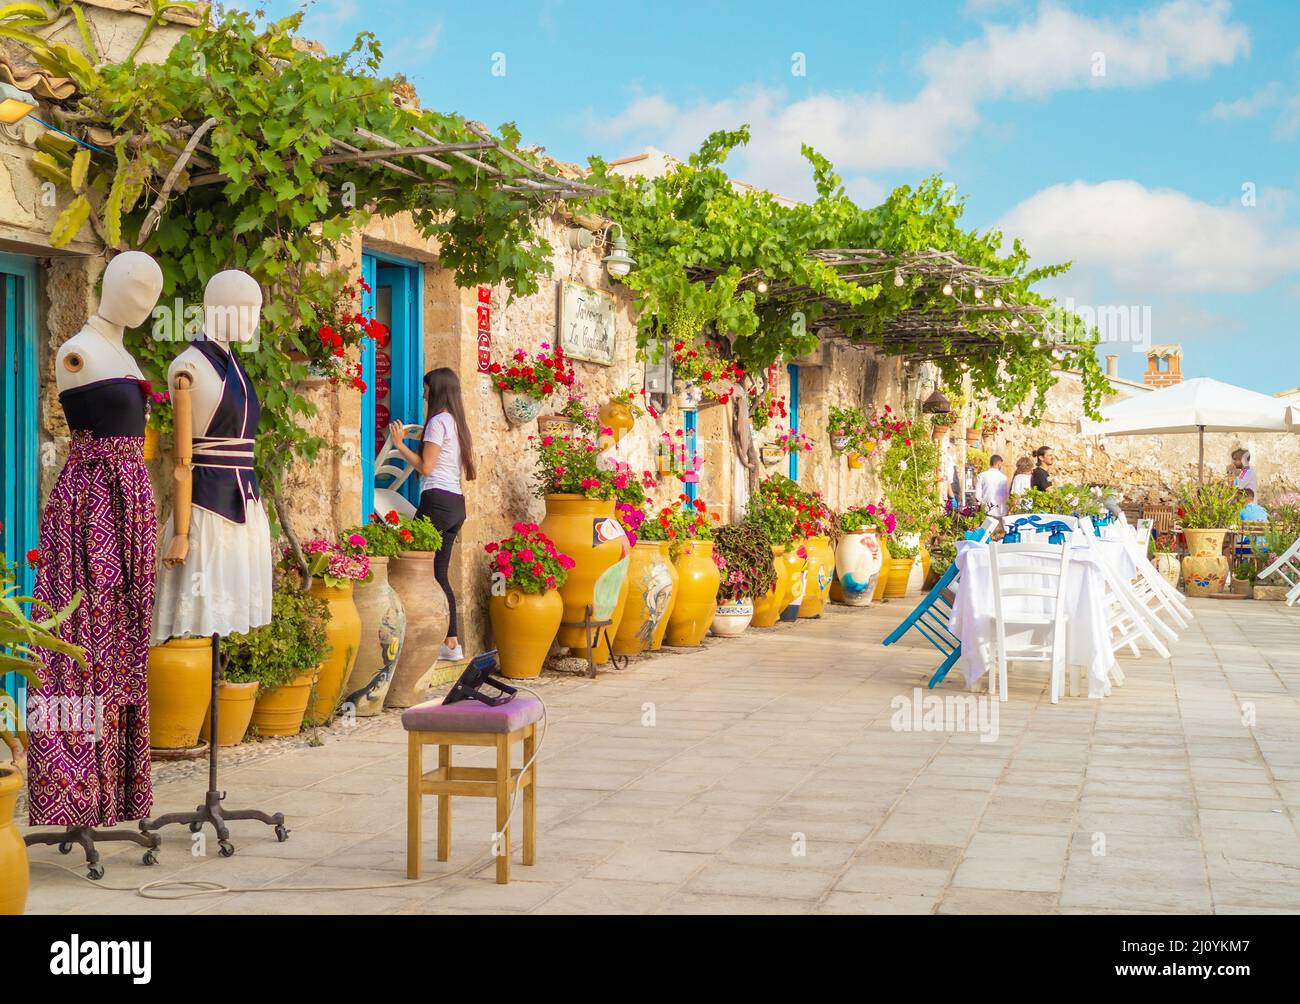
232, 310
133, 282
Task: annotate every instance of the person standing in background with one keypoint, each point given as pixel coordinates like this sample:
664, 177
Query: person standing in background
446, 454
1022, 482
992, 488
1042, 476
1247, 480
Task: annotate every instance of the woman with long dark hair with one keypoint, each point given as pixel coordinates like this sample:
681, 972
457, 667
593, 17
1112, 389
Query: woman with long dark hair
446, 454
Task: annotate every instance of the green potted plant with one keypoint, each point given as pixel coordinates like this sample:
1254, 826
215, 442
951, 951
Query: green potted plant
21, 637
747, 569
860, 553
1207, 513
1243, 578
283, 658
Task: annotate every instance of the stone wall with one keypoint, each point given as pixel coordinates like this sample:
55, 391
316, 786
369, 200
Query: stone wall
1142, 466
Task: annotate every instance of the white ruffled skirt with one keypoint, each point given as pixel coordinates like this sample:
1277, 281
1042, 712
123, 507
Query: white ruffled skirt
224, 586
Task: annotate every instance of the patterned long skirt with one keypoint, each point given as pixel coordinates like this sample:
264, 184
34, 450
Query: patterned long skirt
88, 757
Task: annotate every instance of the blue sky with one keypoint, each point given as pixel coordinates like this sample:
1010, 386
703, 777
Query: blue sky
1156, 145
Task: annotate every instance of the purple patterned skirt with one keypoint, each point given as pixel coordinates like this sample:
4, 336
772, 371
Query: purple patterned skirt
88, 755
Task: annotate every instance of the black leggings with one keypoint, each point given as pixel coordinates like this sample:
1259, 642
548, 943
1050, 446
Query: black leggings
446, 510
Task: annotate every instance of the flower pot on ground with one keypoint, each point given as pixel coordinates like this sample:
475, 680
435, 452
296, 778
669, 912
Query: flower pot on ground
586, 530
343, 635
731, 620
882, 579
235, 704
821, 574
650, 596
410, 574
906, 572
657, 637
526, 571
747, 568
1207, 513
275, 655
768, 608
14, 872
858, 555
383, 633
697, 596
180, 692
1168, 565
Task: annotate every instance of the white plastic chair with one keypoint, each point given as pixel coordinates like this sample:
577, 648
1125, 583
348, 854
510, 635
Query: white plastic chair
1010, 567
1286, 568
389, 497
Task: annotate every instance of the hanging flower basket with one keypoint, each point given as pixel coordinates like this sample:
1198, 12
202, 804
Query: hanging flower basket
771, 454
840, 440
690, 395
520, 409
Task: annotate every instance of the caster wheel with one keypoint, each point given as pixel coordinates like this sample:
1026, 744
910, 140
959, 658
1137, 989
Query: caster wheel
226, 849
195, 827
150, 858
281, 834
95, 872
65, 848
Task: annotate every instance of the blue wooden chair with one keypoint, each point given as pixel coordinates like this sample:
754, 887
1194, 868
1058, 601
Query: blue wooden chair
930, 618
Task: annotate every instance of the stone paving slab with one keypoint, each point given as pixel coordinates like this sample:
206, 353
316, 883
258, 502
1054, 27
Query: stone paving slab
768, 774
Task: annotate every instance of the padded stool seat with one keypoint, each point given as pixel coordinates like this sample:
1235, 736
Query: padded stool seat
470, 723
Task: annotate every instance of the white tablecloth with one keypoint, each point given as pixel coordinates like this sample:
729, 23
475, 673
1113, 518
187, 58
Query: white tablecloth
1087, 636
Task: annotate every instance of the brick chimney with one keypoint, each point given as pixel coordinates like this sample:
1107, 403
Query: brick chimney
1164, 366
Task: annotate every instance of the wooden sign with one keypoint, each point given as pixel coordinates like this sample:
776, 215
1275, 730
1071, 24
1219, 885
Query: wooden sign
587, 323
484, 328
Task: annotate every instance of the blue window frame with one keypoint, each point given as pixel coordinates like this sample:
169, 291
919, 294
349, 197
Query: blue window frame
19, 509
396, 286
794, 418
691, 426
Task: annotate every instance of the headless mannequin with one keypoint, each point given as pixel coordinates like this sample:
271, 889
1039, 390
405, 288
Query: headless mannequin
133, 282
232, 309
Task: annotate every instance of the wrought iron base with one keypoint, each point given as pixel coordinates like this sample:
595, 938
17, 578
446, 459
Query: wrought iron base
210, 812
87, 837
593, 630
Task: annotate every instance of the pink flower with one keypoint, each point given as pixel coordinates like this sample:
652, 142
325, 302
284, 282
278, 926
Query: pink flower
567, 563
526, 554
550, 582
356, 540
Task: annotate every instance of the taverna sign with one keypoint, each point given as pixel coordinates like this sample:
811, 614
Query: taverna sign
587, 328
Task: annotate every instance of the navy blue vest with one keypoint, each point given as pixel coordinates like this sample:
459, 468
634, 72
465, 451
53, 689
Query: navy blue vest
224, 479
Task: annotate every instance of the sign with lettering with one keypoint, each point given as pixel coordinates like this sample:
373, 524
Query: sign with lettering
484, 328
587, 323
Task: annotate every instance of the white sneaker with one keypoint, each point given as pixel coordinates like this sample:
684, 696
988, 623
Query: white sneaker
446, 654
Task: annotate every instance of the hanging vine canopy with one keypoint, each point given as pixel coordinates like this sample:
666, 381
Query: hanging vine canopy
770, 276
249, 148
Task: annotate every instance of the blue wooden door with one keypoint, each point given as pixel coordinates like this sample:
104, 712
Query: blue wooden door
794, 418
394, 375
691, 428
18, 443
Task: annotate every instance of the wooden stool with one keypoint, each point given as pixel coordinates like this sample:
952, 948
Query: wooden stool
470, 723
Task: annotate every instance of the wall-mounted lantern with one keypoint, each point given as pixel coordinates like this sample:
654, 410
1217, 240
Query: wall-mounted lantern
619, 262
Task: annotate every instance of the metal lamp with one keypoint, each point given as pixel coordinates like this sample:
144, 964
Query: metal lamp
619, 262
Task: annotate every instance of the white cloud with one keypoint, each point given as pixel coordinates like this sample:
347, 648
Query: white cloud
870, 132
1273, 97
1148, 241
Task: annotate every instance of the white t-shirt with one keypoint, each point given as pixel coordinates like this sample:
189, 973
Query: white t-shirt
441, 432
1020, 484
991, 492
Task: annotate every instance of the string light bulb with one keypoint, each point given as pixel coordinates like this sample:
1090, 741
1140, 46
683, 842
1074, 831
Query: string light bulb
898, 277
947, 289
997, 302
979, 293
762, 286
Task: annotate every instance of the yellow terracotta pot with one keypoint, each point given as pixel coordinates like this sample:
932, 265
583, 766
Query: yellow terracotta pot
869, 447
280, 712
343, 634
587, 532
697, 595
657, 637
799, 565
856, 462
180, 690
821, 573
883, 581
650, 595
617, 416
900, 572
1206, 576
152, 440
523, 626
13, 853
235, 703
767, 609
1205, 543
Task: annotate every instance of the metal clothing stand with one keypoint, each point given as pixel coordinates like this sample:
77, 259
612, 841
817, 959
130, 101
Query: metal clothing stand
211, 812
87, 837
592, 631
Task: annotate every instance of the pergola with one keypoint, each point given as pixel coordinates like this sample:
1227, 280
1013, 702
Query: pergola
974, 317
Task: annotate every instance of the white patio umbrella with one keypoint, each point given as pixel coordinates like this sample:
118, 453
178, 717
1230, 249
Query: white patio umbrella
1195, 406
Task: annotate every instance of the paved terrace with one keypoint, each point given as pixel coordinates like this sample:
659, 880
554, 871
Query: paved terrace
1159, 798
